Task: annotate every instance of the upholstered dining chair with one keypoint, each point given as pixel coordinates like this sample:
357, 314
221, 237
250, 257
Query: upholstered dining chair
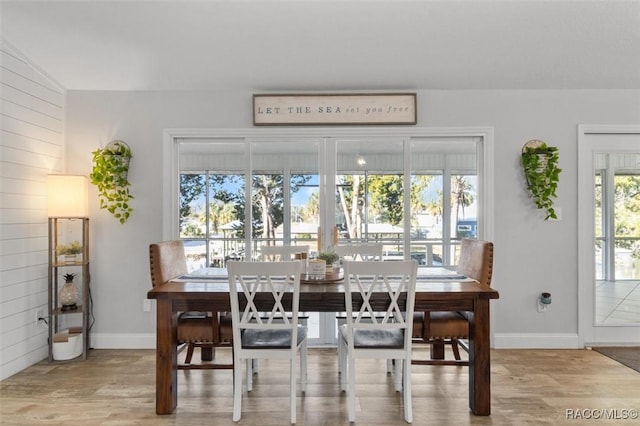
277, 335
281, 254
378, 330
357, 252
206, 330
438, 328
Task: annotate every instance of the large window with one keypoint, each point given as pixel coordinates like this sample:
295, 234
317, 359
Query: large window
418, 195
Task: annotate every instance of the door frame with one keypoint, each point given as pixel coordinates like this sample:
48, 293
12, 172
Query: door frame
171, 137
588, 332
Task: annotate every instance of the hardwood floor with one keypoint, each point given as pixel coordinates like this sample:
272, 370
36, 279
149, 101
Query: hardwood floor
117, 387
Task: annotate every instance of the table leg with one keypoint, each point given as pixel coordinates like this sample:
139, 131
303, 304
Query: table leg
166, 358
479, 359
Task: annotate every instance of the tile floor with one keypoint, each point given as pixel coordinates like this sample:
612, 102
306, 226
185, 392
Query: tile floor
617, 302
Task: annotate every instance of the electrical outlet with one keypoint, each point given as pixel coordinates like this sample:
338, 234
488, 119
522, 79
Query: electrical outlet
39, 316
146, 305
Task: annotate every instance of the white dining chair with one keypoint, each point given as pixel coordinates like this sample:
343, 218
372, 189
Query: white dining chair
266, 331
360, 252
280, 253
378, 331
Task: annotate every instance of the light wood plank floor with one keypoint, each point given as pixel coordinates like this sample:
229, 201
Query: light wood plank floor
116, 387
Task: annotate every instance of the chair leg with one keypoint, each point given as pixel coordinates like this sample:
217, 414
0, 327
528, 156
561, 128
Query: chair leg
303, 366
345, 367
390, 363
207, 353
292, 389
454, 346
340, 366
406, 389
397, 379
249, 375
351, 392
437, 350
190, 347
237, 389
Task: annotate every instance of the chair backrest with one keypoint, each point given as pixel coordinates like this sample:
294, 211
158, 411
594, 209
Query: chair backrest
281, 253
281, 279
476, 260
362, 252
166, 261
395, 278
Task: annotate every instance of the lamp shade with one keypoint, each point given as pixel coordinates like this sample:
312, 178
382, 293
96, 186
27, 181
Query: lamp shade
68, 195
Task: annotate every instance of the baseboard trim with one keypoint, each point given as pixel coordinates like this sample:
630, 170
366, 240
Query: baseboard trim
536, 341
122, 341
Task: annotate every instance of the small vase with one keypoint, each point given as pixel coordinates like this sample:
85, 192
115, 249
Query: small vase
68, 296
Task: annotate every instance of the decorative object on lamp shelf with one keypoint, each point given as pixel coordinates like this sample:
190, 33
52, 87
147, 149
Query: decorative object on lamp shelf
67, 196
69, 251
110, 174
68, 294
540, 164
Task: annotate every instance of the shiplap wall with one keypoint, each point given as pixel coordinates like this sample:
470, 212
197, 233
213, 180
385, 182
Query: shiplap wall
31, 146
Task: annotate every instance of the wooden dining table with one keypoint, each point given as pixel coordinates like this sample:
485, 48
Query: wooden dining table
432, 293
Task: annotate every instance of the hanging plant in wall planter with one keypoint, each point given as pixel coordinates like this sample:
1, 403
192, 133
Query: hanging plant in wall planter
540, 164
109, 174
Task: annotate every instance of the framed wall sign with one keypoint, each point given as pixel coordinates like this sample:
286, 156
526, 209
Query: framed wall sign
334, 109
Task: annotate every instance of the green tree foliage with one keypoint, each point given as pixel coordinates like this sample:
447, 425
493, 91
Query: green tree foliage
461, 194
227, 200
387, 197
192, 186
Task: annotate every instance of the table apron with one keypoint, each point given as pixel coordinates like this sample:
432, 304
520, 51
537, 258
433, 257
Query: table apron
322, 303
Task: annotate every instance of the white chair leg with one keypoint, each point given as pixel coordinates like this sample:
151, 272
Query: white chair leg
341, 353
406, 374
303, 366
340, 366
345, 367
237, 390
249, 375
292, 389
397, 379
351, 392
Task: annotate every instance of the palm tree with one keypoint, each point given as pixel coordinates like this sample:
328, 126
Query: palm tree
461, 194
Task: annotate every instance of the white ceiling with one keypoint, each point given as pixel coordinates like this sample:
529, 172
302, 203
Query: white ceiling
270, 45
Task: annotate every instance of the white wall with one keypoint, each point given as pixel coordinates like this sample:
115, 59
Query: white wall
531, 255
31, 146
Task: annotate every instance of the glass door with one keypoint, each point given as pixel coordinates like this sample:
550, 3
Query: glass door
608, 235
617, 232
418, 196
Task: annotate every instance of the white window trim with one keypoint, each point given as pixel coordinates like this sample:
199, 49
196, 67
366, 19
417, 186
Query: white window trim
170, 210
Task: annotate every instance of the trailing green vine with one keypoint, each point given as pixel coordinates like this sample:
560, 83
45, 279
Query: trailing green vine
109, 175
540, 164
